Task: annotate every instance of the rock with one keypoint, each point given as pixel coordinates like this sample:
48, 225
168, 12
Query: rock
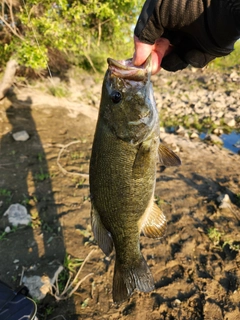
234, 76
194, 135
230, 122
237, 144
218, 131
21, 136
38, 286
7, 229
17, 214
180, 130
224, 201
213, 138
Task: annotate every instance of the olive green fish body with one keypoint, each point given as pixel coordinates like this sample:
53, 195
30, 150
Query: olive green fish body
122, 176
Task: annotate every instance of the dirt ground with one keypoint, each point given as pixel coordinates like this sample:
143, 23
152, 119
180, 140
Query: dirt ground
196, 266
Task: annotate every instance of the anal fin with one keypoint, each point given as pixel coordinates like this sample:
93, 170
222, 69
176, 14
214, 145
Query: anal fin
101, 234
155, 224
167, 157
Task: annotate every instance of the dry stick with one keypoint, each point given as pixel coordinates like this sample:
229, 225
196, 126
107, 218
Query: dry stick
59, 296
79, 283
55, 278
84, 175
66, 286
80, 269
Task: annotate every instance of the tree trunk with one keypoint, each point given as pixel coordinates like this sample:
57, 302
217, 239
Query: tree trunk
8, 77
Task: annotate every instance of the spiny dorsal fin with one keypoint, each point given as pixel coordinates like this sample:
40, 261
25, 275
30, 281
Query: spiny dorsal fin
102, 236
167, 157
156, 223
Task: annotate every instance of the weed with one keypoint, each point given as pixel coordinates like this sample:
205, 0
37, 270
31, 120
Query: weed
59, 92
41, 176
218, 240
215, 236
72, 263
3, 236
49, 310
36, 222
76, 155
63, 284
85, 303
238, 198
40, 157
78, 182
232, 246
6, 194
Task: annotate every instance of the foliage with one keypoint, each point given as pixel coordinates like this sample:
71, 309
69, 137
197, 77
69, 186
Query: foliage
86, 31
229, 61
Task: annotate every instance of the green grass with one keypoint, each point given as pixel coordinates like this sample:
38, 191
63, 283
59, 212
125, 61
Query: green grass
228, 62
58, 91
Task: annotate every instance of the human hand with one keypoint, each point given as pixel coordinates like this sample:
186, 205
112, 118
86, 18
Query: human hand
159, 49
197, 33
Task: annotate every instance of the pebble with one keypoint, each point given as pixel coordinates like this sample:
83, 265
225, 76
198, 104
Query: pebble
21, 136
213, 138
17, 215
7, 229
194, 135
230, 122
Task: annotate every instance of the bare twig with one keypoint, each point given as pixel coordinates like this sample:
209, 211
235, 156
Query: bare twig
11, 26
64, 171
70, 284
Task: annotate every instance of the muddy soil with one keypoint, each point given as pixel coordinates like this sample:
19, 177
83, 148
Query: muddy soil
196, 266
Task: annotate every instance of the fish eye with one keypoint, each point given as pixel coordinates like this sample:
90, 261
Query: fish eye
116, 96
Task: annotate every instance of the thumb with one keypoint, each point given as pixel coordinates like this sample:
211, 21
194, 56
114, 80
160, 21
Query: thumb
142, 51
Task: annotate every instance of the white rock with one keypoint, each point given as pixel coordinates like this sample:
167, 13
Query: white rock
234, 76
194, 135
17, 214
218, 131
7, 229
223, 198
38, 286
21, 136
230, 122
180, 130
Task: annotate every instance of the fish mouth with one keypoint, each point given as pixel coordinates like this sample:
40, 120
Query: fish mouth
125, 69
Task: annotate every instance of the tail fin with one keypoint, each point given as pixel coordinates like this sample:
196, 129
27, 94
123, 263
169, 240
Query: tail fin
128, 278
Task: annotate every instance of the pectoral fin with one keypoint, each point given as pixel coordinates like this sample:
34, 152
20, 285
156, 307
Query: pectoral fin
155, 225
167, 157
103, 237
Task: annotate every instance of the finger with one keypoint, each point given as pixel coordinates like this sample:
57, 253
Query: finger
161, 48
173, 62
142, 51
197, 58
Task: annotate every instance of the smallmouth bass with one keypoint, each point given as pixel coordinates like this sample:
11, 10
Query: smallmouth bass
125, 152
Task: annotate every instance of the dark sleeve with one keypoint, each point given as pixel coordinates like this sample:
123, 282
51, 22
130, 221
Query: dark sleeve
213, 25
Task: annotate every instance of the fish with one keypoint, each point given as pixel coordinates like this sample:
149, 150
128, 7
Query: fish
125, 152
